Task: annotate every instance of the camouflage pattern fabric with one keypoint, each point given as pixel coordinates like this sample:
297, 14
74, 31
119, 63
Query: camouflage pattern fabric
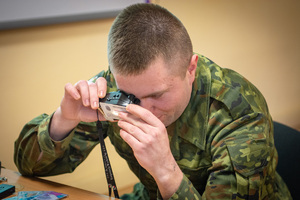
223, 143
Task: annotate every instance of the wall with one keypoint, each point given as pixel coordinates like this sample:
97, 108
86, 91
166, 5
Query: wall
259, 39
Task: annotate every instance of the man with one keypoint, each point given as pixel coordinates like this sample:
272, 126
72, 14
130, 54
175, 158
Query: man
200, 131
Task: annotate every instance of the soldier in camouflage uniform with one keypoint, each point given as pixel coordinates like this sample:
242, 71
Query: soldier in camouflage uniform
200, 132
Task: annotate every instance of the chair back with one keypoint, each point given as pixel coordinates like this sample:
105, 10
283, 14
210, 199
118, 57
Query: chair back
287, 143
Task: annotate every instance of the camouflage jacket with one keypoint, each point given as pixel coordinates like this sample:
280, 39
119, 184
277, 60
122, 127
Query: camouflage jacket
223, 142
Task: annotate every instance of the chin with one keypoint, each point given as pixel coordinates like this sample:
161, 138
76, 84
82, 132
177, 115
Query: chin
167, 121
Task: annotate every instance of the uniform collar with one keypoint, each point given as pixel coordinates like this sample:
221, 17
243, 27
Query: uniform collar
191, 125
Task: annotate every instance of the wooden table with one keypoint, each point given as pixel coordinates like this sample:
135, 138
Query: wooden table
36, 184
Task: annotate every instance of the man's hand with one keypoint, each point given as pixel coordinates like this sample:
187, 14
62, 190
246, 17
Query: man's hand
78, 104
148, 138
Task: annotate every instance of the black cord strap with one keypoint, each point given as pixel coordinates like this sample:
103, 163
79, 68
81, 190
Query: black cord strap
108, 171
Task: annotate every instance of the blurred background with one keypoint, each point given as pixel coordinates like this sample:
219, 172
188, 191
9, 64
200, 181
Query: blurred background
258, 39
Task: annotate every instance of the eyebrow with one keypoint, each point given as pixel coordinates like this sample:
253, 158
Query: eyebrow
158, 93
149, 95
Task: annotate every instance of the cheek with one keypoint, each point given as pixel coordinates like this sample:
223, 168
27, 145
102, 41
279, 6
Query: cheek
157, 106
168, 105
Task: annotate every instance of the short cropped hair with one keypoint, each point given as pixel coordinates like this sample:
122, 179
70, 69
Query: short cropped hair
142, 33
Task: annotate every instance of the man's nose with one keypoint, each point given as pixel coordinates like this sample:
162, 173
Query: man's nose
147, 104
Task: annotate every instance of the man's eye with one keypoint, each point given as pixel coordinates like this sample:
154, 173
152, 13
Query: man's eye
156, 96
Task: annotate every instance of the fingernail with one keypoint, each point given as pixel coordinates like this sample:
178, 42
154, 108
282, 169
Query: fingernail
77, 96
87, 102
95, 104
101, 94
120, 114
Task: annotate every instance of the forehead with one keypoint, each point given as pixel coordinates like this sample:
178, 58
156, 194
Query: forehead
156, 78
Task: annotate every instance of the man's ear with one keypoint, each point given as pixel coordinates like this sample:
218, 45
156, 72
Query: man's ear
192, 68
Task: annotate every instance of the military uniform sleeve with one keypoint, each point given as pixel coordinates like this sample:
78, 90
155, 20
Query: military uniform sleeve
37, 154
186, 190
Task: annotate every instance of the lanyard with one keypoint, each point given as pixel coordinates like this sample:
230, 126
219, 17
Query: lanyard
108, 171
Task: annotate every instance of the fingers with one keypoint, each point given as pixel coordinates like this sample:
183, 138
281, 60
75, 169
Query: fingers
133, 125
132, 130
101, 87
72, 91
89, 92
140, 124
143, 114
129, 139
83, 89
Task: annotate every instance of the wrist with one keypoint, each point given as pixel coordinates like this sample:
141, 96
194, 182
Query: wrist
169, 180
60, 127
